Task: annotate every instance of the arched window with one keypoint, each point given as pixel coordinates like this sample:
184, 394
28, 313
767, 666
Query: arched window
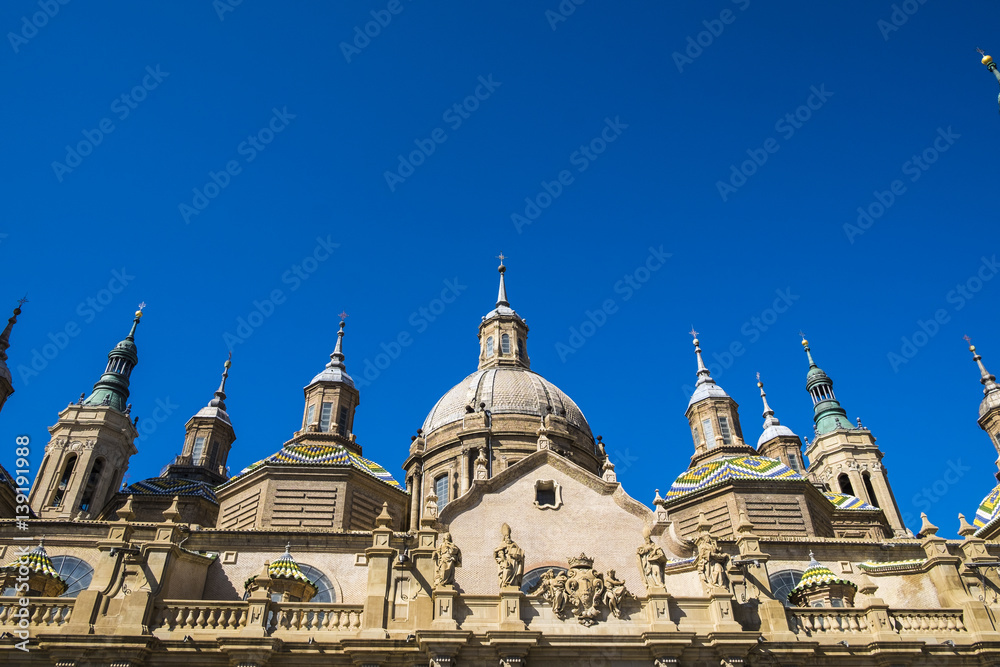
845, 484
505, 344
489, 346
325, 592
57, 499
75, 572
92, 480
441, 491
198, 449
782, 584
867, 478
531, 580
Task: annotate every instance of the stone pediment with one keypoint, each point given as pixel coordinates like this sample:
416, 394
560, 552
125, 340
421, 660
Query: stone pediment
592, 516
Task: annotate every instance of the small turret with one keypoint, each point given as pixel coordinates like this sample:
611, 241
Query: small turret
503, 335
6, 381
113, 387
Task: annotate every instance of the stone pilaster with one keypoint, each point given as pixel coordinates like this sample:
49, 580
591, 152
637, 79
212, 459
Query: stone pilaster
380, 556
510, 608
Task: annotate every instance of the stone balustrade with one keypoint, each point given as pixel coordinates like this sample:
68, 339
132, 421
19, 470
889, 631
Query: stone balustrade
927, 621
205, 615
42, 612
309, 617
832, 620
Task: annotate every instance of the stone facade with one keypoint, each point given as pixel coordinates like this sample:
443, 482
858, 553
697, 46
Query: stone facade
512, 543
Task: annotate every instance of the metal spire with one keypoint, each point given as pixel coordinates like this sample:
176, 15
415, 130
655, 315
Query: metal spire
769, 418
220, 393
703, 374
5, 336
987, 378
991, 66
502, 294
337, 357
805, 346
135, 322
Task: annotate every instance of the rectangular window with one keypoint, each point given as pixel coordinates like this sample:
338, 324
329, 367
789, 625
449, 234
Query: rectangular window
342, 422
793, 460
441, 491
310, 413
199, 448
706, 428
324, 417
727, 436
696, 435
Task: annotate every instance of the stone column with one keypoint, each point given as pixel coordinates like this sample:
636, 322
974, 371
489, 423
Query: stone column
380, 556
464, 472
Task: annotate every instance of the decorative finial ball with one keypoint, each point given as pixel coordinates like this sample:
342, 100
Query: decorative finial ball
227, 364
17, 311
760, 384
805, 343
501, 268
138, 314
987, 60
695, 342
972, 348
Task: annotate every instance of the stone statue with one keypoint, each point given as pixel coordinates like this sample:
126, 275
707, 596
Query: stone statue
652, 559
510, 560
446, 558
552, 589
614, 593
711, 562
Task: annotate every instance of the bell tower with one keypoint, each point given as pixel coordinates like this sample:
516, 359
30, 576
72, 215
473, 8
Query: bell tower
331, 398
844, 457
208, 437
91, 444
713, 418
989, 407
503, 335
6, 381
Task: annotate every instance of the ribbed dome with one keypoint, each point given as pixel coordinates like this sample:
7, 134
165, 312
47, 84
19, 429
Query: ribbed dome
512, 390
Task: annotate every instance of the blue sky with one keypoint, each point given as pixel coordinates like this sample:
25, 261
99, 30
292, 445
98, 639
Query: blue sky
205, 150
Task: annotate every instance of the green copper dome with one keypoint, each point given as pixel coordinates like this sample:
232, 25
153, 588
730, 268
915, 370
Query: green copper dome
113, 387
827, 411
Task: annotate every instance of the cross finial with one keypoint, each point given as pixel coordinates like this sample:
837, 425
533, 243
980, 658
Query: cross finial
142, 305
343, 315
967, 339
981, 52
801, 335
501, 257
758, 376
23, 300
694, 334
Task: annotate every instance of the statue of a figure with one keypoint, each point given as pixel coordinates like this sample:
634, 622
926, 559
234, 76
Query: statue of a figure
652, 559
710, 562
552, 588
510, 560
446, 558
614, 593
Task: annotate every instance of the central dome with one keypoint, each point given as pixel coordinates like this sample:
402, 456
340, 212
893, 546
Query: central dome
505, 390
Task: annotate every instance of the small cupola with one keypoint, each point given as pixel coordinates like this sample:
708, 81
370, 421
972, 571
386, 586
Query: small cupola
503, 335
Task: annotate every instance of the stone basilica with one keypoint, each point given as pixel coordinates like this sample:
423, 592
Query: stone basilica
507, 540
